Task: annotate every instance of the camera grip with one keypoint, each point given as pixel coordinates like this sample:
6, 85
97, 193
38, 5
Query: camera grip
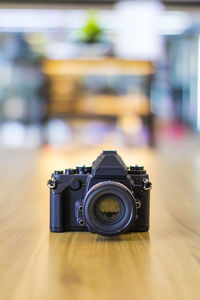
56, 212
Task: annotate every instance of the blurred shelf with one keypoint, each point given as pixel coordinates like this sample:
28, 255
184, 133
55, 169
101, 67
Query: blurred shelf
104, 105
68, 97
102, 66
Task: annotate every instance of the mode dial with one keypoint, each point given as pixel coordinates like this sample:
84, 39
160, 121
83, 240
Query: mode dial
70, 171
137, 170
83, 170
58, 172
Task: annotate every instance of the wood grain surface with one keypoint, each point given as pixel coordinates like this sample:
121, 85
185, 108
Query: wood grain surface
161, 264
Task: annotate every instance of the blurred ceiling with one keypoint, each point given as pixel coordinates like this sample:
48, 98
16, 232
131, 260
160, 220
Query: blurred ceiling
104, 2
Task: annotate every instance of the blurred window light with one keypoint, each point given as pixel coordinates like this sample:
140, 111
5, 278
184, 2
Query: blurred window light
58, 133
142, 13
16, 135
39, 19
173, 23
26, 19
137, 24
13, 134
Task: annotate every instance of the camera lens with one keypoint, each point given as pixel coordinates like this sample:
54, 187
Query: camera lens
109, 208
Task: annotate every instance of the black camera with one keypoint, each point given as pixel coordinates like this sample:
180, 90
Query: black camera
107, 198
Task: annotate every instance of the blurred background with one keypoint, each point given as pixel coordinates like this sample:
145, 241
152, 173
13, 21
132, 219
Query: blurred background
105, 74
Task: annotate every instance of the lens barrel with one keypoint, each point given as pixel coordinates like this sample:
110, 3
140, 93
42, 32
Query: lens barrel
109, 208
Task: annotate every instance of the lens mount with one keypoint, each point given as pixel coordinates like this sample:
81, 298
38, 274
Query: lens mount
109, 208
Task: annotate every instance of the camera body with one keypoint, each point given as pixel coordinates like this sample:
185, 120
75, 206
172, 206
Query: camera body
107, 198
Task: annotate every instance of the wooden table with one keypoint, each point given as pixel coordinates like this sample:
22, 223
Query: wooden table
161, 264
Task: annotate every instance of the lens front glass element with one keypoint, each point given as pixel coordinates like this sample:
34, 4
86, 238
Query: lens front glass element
109, 208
